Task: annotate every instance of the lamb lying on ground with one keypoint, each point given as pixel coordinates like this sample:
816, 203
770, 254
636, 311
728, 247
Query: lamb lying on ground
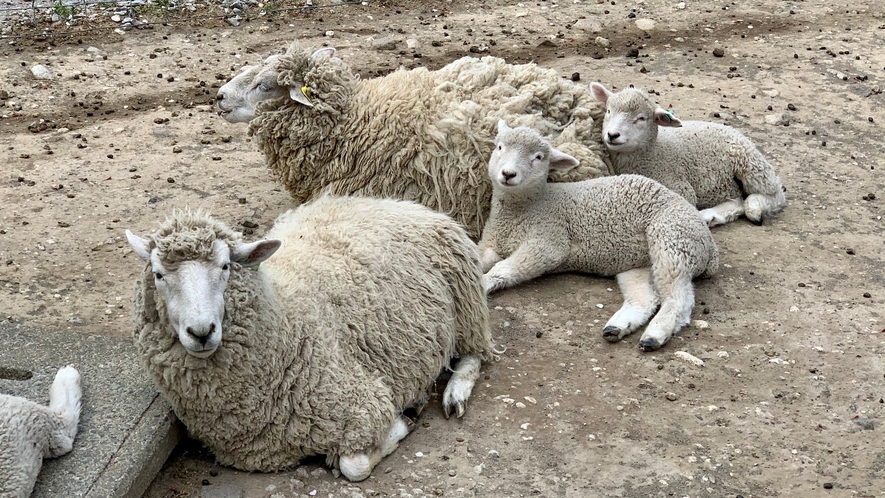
712, 165
627, 225
321, 348
418, 135
30, 432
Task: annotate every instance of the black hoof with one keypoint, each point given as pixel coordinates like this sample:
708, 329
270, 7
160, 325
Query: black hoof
758, 222
611, 333
649, 345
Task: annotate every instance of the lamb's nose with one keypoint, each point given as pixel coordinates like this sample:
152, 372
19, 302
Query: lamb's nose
201, 334
613, 135
220, 96
508, 175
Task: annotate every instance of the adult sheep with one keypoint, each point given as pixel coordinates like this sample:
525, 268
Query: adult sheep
320, 349
414, 134
30, 432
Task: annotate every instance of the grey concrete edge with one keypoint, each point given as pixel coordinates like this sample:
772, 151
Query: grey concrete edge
141, 455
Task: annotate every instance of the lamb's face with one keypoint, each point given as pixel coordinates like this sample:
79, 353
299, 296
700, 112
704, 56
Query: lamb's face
238, 98
522, 158
629, 121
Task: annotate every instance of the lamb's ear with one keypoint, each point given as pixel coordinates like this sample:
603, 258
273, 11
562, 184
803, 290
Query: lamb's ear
300, 95
323, 52
502, 126
600, 92
666, 118
561, 161
253, 253
139, 246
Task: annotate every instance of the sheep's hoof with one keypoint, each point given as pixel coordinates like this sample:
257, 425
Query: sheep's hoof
649, 344
757, 222
611, 333
458, 409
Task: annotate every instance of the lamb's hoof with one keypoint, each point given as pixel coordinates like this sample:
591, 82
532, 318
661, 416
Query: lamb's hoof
458, 409
649, 344
757, 222
611, 333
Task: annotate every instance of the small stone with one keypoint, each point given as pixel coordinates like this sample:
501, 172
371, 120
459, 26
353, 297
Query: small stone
413, 44
828, 485
116, 18
384, 43
591, 25
170, 180
865, 294
602, 42
777, 119
176, 149
576, 76
671, 396
42, 72
718, 52
645, 24
850, 251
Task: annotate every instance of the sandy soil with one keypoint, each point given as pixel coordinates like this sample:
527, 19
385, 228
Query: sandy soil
790, 399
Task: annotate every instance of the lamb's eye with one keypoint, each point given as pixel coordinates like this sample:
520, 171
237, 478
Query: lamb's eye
225, 267
264, 86
640, 119
539, 156
158, 275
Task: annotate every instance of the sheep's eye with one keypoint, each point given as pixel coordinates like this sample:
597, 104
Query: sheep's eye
500, 147
640, 119
158, 275
539, 157
264, 86
225, 267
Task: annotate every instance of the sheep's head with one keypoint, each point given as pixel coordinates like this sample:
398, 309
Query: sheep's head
631, 118
238, 99
191, 258
523, 158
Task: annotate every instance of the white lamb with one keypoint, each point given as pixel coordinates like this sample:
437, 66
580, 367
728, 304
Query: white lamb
30, 432
415, 134
630, 226
320, 349
712, 165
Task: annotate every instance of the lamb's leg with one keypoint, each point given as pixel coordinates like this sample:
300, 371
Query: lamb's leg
460, 386
487, 258
765, 193
758, 206
640, 303
724, 213
677, 300
530, 260
359, 466
64, 405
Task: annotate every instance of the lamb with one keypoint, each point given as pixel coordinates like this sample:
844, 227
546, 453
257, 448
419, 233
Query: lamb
630, 226
30, 432
713, 166
414, 134
320, 349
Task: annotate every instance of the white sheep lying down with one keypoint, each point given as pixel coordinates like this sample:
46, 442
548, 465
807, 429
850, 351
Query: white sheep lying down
630, 226
413, 134
319, 350
713, 166
30, 432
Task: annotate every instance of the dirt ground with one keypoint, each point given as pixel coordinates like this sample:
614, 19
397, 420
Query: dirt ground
789, 401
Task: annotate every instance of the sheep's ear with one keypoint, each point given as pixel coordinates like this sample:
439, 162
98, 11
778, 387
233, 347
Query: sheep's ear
666, 118
600, 92
561, 161
139, 246
253, 253
502, 126
323, 52
300, 95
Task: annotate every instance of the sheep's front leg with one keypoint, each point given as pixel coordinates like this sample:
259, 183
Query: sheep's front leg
487, 258
640, 303
64, 408
723, 213
677, 300
358, 466
460, 386
530, 260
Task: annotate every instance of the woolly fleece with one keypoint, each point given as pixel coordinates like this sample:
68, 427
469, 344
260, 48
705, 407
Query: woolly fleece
417, 134
329, 340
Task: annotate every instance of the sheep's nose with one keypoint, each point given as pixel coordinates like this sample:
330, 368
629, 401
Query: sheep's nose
201, 334
613, 135
508, 175
220, 96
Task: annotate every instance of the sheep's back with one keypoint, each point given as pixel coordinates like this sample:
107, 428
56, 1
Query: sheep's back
399, 284
24, 433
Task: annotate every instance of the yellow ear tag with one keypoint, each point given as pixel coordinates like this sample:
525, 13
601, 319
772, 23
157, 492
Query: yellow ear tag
306, 92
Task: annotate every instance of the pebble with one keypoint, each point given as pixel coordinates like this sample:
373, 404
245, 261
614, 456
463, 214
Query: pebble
413, 44
671, 396
645, 24
591, 25
603, 42
385, 43
718, 52
116, 18
42, 72
777, 119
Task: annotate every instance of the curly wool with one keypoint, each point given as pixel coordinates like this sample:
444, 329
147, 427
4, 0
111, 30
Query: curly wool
417, 134
329, 340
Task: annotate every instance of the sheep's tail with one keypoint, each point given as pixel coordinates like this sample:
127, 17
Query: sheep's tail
64, 400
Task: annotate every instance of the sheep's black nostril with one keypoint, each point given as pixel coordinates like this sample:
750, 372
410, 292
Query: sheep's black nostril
220, 96
508, 174
211, 328
612, 136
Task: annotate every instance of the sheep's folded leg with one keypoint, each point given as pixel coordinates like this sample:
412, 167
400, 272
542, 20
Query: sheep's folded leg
760, 205
675, 313
640, 303
723, 213
358, 466
460, 386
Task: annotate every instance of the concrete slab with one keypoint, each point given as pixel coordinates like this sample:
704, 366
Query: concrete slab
126, 429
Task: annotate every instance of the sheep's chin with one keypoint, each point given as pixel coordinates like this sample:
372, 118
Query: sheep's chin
236, 116
205, 353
